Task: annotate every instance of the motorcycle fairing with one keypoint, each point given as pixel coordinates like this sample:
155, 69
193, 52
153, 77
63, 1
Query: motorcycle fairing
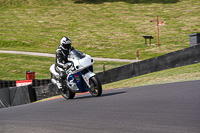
77, 78
53, 71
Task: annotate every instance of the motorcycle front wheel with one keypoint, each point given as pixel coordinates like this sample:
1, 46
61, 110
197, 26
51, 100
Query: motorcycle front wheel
95, 86
67, 94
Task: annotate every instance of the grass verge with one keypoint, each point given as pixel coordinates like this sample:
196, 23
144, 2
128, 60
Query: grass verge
14, 66
103, 28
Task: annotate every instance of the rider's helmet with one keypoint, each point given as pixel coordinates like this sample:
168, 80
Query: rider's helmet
65, 43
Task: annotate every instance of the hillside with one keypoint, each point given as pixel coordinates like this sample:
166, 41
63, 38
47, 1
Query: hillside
101, 28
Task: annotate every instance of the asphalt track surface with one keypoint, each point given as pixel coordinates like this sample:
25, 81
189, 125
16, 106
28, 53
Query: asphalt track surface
163, 108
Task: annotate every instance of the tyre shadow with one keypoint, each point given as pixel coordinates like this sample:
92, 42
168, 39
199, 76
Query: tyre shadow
103, 95
127, 1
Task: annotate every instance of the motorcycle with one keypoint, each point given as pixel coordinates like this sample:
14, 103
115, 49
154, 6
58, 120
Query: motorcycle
80, 76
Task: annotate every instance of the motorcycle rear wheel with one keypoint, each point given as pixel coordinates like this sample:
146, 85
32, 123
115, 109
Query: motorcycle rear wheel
67, 94
96, 88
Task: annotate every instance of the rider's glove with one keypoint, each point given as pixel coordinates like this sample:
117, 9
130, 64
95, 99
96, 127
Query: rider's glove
72, 48
67, 66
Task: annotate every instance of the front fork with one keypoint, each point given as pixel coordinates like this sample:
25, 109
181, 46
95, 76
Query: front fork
87, 77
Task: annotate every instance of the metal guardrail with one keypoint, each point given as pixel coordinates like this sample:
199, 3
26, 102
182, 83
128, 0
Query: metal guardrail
36, 82
179, 58
14, 96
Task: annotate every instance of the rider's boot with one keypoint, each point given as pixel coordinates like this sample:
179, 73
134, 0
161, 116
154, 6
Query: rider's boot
59, 85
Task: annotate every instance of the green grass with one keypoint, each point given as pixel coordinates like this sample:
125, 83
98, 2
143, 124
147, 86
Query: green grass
14, 67
101, 28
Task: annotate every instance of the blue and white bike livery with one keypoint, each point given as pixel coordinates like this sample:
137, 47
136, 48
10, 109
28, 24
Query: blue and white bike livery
80, 77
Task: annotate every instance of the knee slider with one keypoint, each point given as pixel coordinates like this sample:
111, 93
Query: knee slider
62, 75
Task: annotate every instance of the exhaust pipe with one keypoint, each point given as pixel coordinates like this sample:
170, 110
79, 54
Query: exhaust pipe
53, 81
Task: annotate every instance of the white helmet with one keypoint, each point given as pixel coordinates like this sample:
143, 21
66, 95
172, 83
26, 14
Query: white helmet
65, 43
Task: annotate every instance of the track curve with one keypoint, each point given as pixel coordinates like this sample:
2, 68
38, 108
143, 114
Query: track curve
163, 108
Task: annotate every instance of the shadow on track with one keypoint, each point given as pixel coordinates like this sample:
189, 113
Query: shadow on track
127, 1
103, 95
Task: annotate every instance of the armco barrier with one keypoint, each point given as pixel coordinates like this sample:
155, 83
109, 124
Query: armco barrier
4, 83
4, 97
179, 58
41, 82
19, 95
13, 96
36, 82
46, 91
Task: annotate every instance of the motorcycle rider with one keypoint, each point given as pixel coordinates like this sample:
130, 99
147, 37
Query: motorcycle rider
61, 61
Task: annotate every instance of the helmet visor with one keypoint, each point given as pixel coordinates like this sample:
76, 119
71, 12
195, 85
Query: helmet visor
67, 46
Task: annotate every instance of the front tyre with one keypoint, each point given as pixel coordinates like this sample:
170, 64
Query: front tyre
95, 86
67, 94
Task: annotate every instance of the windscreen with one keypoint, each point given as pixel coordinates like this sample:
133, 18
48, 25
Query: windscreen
76, 54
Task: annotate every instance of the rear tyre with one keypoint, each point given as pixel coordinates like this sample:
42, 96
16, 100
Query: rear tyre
67, 94
95, 86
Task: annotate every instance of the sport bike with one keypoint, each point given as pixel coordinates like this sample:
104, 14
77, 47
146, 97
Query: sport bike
79, 76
